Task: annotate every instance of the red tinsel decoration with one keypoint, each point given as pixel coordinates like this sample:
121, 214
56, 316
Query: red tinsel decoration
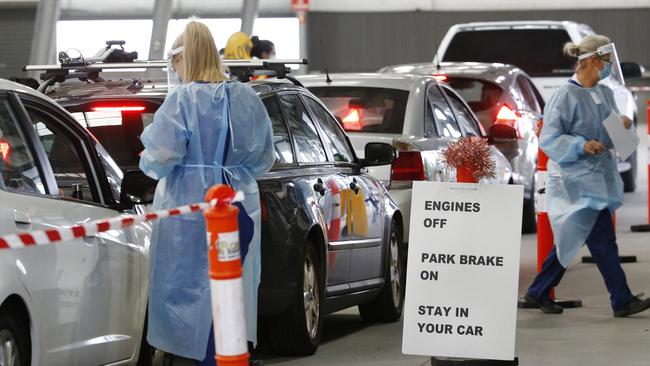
472, 153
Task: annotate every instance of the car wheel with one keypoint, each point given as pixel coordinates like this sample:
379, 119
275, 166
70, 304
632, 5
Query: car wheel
297, 332
14, 341
529, 224
146, 355
388, 305
629, 177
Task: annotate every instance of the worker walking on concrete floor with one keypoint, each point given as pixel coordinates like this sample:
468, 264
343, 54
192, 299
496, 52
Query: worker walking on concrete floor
583, 186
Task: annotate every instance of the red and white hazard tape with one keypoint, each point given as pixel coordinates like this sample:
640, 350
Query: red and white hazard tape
50, 236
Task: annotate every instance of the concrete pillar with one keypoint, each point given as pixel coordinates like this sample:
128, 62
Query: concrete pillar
249, 13
43, 49
162, 12
302, 34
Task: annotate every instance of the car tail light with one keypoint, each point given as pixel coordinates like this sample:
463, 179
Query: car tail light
440, 77
118, 108
408, 167
352, 122
508, 117
5, 149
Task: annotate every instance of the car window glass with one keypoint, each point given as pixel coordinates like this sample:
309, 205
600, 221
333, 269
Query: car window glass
333, 134
118, 132
113, 172
281, 138
439, 119
480, 95
543, 56
309, 148
63, 152
19, 169
465, 118
530, 104
366, 109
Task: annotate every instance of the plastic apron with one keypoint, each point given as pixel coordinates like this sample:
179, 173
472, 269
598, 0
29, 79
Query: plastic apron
180, 314
578, 186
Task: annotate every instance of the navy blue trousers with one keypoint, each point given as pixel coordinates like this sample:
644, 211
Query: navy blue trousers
602, 245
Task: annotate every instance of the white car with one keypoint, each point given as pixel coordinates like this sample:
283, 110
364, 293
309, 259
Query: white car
536, 47
414, 113
78, 302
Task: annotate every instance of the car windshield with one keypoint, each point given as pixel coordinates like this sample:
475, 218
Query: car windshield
365, 109
480, 95
118, 131
537, 51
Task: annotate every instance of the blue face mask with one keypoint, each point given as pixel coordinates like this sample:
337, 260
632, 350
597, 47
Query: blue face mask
606, 71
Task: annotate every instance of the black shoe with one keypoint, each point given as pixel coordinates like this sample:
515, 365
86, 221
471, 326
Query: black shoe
636, 305
546, 305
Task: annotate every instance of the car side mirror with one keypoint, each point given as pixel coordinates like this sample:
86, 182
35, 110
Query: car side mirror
137, 188
378, 153
501, 133
631, 70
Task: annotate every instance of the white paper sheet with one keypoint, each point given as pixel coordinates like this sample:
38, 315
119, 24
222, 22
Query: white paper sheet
625, 140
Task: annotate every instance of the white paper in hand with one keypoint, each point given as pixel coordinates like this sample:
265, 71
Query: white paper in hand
625, 140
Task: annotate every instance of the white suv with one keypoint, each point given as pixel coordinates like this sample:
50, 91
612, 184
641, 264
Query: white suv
536, 47
78, 302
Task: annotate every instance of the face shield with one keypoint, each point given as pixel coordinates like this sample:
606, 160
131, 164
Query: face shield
608, 54
173, 79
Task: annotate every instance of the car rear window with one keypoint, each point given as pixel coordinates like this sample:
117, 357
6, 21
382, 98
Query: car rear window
537, 51
365, 109
118, 132
480, 95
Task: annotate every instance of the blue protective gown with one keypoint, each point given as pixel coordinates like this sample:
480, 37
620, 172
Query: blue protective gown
578, 185
201, 134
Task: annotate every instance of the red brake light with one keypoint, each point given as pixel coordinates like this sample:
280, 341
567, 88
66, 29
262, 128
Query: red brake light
508, 117
440, 77
352, 122
506, 114
408, 166
118, 108
5, 149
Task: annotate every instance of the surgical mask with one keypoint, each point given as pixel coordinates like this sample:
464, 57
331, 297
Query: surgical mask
606, 71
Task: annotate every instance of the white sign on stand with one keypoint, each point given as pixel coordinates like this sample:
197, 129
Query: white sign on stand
463, 270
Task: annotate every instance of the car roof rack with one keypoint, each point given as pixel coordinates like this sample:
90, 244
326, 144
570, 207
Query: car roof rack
241, 70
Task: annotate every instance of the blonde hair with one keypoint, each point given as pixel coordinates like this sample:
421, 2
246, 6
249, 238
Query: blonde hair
201, 59
588, 44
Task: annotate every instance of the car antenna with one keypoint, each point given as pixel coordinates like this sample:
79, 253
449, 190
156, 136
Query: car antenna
322, 50
435, 55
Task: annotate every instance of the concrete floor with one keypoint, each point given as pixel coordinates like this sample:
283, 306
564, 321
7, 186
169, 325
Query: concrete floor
586, 336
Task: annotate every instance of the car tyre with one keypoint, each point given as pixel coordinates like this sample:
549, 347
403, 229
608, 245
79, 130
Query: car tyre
297, 331
388, 305
15, 344
629, 177
147, 352
529, 224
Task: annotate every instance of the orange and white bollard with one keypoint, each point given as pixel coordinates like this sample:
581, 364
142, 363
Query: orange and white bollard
226, 284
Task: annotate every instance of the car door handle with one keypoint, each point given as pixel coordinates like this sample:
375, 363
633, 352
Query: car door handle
354, 186
22, 219
320, 187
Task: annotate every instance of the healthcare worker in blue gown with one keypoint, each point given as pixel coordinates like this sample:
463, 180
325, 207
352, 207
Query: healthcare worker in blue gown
584, 187
207, 131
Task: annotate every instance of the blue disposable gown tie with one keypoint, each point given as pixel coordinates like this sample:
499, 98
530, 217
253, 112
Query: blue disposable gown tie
202, 133
578, 185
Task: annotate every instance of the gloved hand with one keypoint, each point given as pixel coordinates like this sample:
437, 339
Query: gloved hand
594, 147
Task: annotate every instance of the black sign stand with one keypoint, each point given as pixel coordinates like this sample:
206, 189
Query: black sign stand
472, 362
